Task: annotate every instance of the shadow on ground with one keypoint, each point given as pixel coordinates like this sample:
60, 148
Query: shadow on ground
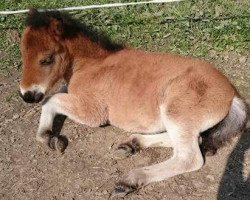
233, 185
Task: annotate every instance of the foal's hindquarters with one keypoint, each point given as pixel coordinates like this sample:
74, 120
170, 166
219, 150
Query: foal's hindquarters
191, 104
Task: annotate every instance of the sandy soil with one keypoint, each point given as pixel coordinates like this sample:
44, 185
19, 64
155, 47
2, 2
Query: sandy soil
89, 168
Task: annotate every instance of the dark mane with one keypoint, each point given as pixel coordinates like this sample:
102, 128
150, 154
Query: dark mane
71, 27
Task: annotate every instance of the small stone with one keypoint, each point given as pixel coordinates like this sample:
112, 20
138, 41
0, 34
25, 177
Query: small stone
213, 54
15, 116
12, 139
105, 192
210, 178
243, 59
226, 57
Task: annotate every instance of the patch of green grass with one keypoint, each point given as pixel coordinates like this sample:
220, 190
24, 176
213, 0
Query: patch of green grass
187, 27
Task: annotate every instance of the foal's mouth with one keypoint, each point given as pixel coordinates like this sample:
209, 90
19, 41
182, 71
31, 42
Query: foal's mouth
32, 96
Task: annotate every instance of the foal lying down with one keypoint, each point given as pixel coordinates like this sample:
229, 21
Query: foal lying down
176, 99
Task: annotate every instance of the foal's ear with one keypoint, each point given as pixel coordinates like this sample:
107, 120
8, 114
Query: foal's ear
56, 27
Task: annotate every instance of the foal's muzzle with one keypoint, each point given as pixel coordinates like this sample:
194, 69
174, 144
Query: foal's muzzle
32, 96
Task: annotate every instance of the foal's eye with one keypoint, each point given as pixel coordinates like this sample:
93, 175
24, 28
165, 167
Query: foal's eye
48, 60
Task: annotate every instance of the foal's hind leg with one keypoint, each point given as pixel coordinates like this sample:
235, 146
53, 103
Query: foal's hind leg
83, 109
187, 157
137, 142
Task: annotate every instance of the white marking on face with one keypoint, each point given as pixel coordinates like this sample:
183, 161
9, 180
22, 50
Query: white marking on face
37, 88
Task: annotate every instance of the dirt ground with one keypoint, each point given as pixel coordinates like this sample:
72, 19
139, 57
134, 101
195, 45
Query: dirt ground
89, 168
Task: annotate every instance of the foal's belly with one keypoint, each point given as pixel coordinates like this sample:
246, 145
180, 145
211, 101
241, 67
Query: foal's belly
135, 124
135, 109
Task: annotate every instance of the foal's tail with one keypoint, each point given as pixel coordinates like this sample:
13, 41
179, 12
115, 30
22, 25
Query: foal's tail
233, 124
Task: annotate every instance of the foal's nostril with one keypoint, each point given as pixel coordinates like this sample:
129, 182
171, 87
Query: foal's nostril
38, 97
29, 97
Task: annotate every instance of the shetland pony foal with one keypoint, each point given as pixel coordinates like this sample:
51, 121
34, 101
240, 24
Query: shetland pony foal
176, 97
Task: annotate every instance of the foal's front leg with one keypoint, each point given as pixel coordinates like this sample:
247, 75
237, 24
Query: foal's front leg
83, 108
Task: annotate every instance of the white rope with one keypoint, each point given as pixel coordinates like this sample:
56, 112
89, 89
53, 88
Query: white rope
92, 6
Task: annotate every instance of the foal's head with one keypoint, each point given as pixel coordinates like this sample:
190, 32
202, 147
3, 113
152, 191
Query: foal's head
50, 42
44, 55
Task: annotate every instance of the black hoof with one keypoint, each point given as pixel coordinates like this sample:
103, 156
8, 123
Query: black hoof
208, 151
123, 189
131, 147
58, 143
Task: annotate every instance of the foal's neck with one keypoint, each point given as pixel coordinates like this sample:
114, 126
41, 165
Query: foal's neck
81, 47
